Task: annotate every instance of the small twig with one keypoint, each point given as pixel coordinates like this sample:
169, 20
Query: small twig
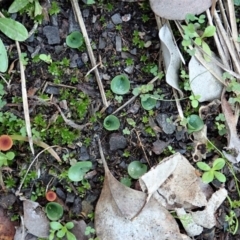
78, 13
33, 30
23, 228
92, 69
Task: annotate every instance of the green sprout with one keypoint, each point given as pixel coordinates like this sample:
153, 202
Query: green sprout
61, 230
136, 169
148, 102
78, 170
75, 39
212, 172
111, 123
120, 84
194, 123
126, 181
54, 211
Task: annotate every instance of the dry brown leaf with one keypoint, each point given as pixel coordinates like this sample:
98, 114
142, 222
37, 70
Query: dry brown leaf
122, 213
177, 9
231, 123
7, 229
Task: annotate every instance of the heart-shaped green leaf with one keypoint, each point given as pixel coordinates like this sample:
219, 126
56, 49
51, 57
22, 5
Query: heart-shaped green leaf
111, 123
149, 103
78, 170
136, 169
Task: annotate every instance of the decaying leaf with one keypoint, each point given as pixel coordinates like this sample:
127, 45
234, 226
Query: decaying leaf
231, 123
35, 219
122, 213
177, 9
174, 184
7, 229
171, 57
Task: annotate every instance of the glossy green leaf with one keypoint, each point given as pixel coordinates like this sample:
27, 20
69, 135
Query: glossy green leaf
17, 5
208, 177
120, 84
78, 170
3, 58
75, 39
218, 164
69, 225
54, 211
148, 104
136, 169
111, 123
61, 233
13, 29
219, 176
203, 166
55, 225
209, 31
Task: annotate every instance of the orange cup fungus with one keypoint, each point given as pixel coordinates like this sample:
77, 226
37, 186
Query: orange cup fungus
51, 196
6, 142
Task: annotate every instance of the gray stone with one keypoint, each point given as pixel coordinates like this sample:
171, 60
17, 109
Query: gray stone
52, 34
84, 155
54, 20
101, 43
70, 198
73, 61
117, 141
116, 18
118, 44
167, 125
85, 13
52, 90
73, 24
129, 69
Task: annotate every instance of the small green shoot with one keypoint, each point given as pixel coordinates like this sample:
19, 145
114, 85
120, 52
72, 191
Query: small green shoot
75, 39
46, 58
126, 181
78, 170
148, 102
194, 100
212, 172
111, 123
136, 169
60, 230
194, 123
120, 84
6, 159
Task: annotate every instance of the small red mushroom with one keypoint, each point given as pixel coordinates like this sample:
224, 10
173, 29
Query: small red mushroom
51, 196
6, 142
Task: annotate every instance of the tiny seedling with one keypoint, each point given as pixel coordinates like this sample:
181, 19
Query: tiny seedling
120, 84
46, 58
78, 170
61, 230
6, 159
54, 211
126, 181
194, 100
148, 102
212, 172
194, 123
111, 123
75, 39
136, 169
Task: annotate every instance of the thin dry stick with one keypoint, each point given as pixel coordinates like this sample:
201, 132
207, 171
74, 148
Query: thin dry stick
25, 100
78, 13
134, 97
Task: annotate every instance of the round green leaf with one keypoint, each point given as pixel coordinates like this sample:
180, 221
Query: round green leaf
10, 155
120, 84
194, 123
208, 177
203, 166
69, 225
55, 225
136, 169
13, 29
219, 176
75, 39
78, 170
218, 164
148, 104
54, 211
111, 123
126, 181
3, 58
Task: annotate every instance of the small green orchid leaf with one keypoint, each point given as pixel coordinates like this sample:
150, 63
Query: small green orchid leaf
219, 176
17, 5
209, 31
75, 39
218, 164
78, 170
13, 29
111, 123
3, 58
203, 166
69, 225
54, 211
120, 84
71, 236
55, 225
195, 123
208, 177
149, 103
136, 169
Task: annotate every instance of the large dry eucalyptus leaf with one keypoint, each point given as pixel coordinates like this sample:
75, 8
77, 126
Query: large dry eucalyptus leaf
122, 213
174, 183
177, 9
171, 57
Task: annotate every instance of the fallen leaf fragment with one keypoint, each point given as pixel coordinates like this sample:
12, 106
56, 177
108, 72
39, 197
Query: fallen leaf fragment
35, 219
7, 228
173, 183
171, 57
122, 213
